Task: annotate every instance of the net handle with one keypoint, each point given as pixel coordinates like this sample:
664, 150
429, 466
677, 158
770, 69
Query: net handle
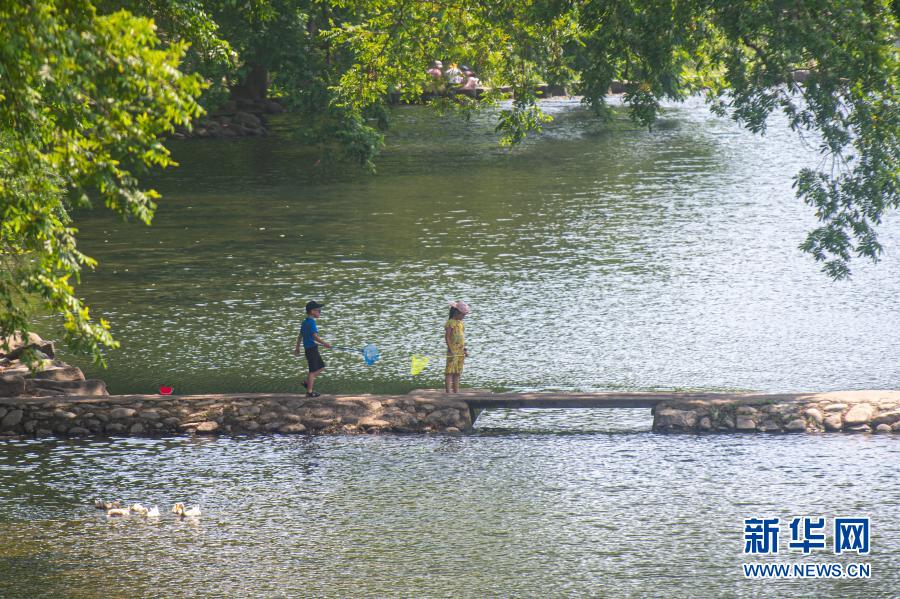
342, 348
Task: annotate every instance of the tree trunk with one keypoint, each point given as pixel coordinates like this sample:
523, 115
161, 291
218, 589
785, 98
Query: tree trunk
254, 87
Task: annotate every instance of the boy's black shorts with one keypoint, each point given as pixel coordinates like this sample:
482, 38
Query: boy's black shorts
313, 358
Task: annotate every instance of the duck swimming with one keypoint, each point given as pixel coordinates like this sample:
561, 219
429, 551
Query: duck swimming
107, 505
137, 508
184, 512
118, 511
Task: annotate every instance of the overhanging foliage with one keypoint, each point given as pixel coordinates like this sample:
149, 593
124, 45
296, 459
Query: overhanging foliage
86, 94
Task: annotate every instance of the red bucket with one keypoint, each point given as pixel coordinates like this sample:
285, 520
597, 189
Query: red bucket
166, 390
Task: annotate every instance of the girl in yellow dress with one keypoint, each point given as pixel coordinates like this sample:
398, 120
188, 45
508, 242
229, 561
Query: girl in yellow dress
454, 335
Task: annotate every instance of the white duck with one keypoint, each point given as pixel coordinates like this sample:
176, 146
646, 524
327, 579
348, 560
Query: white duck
190, 512
118, 511
137, 508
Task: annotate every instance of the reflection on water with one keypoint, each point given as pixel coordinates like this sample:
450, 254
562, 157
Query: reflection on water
595, 257
541, 504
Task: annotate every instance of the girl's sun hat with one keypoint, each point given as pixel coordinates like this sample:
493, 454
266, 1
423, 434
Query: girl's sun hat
461, 306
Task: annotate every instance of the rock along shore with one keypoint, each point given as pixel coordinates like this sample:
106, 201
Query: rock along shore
28, 368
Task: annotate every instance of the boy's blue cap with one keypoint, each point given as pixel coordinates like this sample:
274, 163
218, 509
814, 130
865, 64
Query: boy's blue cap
313, 305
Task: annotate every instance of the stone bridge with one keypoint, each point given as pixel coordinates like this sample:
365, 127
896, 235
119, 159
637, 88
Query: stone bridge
423, 411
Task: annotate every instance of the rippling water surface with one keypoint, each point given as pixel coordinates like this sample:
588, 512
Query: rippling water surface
596, 257
534, 504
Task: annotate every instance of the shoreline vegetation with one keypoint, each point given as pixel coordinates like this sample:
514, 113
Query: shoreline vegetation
249, 117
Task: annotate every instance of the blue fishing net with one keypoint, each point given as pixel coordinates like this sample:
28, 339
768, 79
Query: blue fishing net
370, 354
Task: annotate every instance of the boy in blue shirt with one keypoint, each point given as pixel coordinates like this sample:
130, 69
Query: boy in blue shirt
309, 335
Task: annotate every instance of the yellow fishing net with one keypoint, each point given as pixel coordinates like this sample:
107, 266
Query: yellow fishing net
419, 363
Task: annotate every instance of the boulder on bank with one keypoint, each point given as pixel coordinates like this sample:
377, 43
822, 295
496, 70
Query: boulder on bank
59, 373
43, 387
272, 107
236, 118
247, 119
16, 341
12, 385
44, 378
12, 348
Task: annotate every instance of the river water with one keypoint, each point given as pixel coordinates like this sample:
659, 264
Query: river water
595, 257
